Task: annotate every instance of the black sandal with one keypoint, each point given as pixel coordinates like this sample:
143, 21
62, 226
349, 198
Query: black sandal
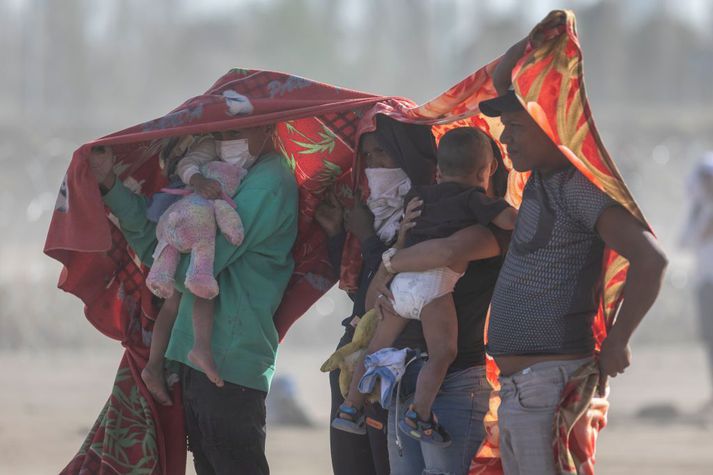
430, 432
350, 419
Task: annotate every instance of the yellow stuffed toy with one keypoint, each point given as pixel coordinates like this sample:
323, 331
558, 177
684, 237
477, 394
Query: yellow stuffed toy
346, 357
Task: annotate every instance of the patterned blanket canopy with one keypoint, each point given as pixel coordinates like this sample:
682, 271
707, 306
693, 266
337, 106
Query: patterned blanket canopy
318, 127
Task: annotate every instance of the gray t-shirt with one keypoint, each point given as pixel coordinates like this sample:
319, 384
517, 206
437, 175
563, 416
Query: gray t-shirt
546, 294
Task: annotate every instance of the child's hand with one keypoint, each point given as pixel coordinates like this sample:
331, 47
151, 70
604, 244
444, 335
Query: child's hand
384, 306
330, 215
206, 187
379, 295
101, 163
413, 211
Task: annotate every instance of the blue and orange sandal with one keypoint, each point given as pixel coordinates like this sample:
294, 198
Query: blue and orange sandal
430, 432
350, 419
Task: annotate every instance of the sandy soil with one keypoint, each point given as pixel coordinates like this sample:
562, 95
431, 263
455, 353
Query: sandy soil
49, 401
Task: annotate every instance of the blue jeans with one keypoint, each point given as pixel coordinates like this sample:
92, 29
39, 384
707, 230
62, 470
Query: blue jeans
528, 401
460, 407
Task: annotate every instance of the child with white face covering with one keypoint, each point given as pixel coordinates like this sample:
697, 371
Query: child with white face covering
233, 151
232, 147
202, 150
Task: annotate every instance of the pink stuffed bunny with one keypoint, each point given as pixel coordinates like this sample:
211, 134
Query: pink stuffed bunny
189, 225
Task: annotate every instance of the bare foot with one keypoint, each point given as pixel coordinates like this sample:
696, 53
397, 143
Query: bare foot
156, 385
204, 361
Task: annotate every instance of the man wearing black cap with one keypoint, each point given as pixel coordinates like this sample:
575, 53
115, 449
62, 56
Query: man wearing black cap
540, 329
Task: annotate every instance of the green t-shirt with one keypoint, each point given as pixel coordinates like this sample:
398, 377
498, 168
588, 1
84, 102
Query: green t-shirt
252, 277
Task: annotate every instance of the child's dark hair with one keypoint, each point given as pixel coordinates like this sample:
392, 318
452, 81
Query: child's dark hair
167, 157
461, 151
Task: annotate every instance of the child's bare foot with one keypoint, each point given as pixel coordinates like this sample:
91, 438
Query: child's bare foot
204, 361
156, 385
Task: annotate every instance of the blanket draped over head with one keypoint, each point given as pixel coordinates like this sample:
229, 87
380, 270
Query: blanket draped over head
316, 131
318, 127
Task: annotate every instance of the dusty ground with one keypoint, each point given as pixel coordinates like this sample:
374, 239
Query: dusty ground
49, 401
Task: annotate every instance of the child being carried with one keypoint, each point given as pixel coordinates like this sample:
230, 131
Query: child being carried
210, 182
466, 164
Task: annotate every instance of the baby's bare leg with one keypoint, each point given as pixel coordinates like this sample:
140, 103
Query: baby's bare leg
440, 328
386, 333
152, 374
202, 354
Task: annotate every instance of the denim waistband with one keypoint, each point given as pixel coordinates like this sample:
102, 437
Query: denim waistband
546, 367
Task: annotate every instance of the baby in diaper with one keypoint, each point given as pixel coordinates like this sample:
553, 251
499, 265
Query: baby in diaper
466, 164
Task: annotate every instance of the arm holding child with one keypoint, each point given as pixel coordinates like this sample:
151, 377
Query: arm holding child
506, 219
469, 244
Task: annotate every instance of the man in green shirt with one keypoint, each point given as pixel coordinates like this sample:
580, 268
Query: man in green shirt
226, 426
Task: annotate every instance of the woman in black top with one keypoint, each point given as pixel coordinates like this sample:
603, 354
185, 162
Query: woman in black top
392, 147
463, 399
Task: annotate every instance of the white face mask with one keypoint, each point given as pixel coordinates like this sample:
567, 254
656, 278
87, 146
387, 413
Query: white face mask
387, 188
385, 182
235, 152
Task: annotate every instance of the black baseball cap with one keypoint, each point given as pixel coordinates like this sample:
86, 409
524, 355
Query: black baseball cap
508, 102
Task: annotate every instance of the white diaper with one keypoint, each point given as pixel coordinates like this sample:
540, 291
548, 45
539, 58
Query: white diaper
414, 290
